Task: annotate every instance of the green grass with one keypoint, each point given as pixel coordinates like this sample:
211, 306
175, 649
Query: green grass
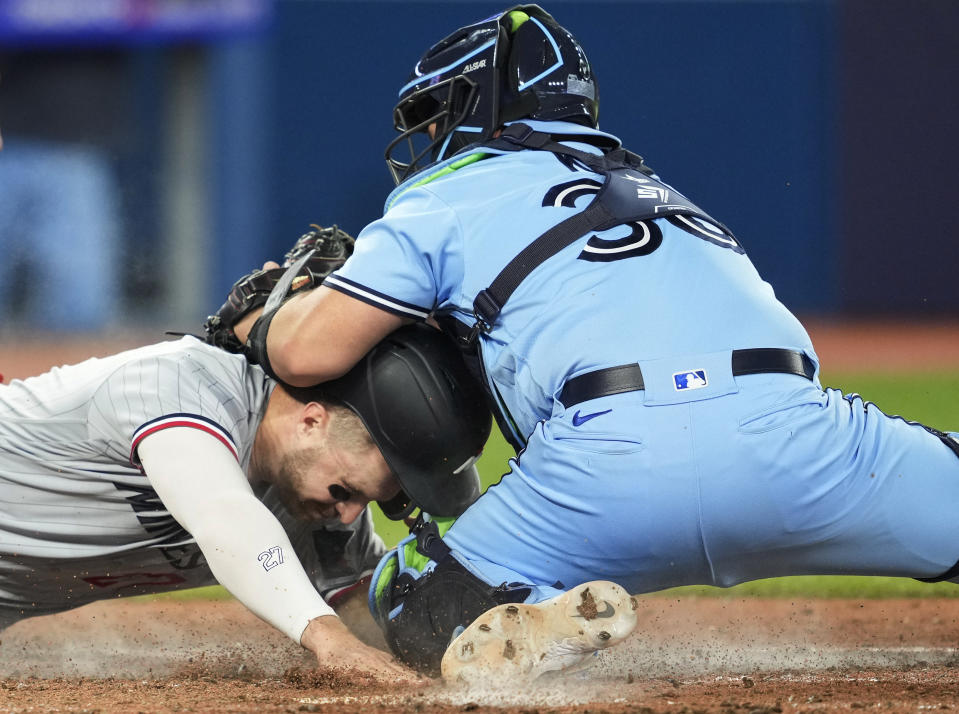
928, 397
822, 586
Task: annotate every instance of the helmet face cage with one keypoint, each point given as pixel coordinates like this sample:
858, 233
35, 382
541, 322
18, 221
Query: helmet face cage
520, 63
453, 89
414, 115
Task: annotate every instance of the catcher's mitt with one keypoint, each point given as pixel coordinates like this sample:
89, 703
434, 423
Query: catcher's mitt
328, 249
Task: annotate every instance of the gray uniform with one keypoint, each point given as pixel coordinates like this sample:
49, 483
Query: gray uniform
79, 520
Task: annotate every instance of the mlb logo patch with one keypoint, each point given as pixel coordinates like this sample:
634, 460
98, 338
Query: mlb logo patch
690, 379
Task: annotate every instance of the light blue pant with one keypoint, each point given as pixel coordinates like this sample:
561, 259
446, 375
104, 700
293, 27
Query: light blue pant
58, 222
779, 478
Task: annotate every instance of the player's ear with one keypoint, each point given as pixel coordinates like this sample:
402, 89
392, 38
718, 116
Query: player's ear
314, 419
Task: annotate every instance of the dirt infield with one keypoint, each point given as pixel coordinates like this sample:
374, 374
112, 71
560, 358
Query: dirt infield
688, 655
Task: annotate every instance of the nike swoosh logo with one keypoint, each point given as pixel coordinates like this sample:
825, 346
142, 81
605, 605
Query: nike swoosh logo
580, 420
607, 611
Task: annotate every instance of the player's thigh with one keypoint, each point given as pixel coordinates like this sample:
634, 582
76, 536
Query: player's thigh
828, 487
575, 509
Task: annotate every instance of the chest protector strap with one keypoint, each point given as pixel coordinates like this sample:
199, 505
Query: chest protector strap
629, 194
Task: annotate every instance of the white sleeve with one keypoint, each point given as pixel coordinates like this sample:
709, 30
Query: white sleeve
203, 487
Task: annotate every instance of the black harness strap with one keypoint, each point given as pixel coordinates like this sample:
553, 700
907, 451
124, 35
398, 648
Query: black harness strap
629, 194
489, 302
516, 137
429, 542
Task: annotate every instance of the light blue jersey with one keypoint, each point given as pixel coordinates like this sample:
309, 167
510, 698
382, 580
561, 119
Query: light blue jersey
442, 242
702, 476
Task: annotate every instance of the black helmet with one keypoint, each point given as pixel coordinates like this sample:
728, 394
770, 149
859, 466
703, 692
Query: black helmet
518, 64
426, 413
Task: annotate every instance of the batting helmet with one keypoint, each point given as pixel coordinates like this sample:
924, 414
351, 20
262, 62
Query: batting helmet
518, 64
425, 412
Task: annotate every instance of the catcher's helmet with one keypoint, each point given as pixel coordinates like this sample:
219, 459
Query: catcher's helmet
426, 413
518, 64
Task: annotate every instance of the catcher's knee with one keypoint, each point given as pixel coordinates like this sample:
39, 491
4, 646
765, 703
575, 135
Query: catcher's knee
421, 615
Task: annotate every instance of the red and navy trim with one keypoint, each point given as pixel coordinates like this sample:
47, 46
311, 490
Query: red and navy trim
335, 597
194, 421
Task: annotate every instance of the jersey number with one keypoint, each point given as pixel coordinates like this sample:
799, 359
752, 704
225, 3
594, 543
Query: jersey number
644, 237
269, 559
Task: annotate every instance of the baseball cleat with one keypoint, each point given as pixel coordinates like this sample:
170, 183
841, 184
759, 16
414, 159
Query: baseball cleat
520, 641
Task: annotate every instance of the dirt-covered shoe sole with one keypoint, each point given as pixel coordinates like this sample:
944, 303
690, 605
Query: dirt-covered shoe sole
521, 642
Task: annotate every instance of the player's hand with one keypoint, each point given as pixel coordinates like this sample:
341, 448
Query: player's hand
315, 255
334, 646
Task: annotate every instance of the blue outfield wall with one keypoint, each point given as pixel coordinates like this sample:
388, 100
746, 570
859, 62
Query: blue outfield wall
740, 104
899, 156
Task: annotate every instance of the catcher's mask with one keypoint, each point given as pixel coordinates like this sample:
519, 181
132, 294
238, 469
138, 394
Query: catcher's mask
425, 412
518, 64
